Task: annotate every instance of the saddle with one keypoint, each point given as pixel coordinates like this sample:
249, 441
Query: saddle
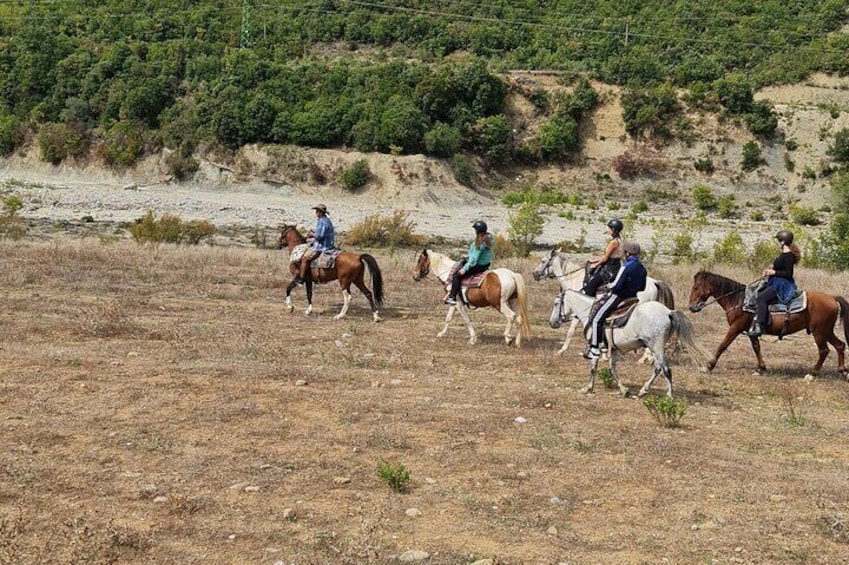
325, 260
619, 317
798, 303
473, 281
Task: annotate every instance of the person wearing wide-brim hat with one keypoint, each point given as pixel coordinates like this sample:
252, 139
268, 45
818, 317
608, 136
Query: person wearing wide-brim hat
324, 237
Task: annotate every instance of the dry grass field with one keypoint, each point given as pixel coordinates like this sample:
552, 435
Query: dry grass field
157, 405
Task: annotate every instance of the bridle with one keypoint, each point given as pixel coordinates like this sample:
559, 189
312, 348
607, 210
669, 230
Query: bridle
423, 274
699, 306
546, 270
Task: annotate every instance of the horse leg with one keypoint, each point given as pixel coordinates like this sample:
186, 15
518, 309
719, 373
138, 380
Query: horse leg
346, 301
647, 357
591, 383
732, 334
623, 390
756, 347
822, 348
569, 333
289, 306
369, 296
473, 338
308, 285
511, 316
448, 317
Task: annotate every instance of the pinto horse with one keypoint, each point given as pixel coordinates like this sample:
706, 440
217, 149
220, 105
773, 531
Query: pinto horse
349, 269
501, 289
822, 312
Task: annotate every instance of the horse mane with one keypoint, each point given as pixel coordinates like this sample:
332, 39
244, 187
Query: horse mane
723, 286
285, 228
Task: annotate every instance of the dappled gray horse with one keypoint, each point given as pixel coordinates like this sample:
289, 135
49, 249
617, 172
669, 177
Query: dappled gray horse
651, 325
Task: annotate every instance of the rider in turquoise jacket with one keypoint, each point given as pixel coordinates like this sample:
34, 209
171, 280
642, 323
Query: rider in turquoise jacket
478, 261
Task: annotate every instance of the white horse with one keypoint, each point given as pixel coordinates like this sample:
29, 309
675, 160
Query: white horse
650, 326
502, 289
571, 277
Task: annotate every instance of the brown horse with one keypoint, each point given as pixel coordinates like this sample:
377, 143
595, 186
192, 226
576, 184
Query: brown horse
349, 269
501, 289
823, 311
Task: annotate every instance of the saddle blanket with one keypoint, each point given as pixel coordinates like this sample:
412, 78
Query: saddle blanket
797, 304
473, 281
326, 260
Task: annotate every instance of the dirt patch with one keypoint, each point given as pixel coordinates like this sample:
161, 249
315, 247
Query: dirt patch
159, 406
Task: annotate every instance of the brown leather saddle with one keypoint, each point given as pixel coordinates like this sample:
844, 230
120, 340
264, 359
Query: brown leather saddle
619, 317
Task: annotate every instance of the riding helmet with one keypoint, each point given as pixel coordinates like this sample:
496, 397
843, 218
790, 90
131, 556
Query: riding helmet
615, 225
785, 237
480, 226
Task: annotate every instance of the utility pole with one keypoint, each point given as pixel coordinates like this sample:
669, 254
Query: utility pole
245, 36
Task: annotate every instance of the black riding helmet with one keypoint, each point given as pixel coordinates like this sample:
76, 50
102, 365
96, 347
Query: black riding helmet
480, 226
785, 237
616, 226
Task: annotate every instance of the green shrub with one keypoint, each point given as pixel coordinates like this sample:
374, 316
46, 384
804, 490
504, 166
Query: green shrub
442, 140
789, 163
809, 173
12, 226
703, 197
123, 143
839, 148
170, 228
762, 255
524, 226
462, 168
751, 156
667, 411
640, 207
757, 216
606, 377
730, 250
704, 165
57, 142
558, 137
682, 248
11, 134
181, 166
385, 231
355, 176
791, 144
396, 477
804, 216
726, 206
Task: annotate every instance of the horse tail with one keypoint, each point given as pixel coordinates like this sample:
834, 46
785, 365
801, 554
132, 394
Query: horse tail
664, 294
844, 315
682, 327
376, 277
522, 300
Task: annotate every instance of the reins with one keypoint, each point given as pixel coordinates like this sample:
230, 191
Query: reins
711, 300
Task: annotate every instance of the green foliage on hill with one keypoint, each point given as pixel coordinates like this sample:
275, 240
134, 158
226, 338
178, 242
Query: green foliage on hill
180, 74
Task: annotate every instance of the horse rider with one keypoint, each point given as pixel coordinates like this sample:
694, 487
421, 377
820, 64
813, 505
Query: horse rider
323, 238
780, 284
630, 280
605, 267
478, 261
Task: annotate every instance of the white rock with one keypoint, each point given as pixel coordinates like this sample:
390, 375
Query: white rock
413, 512
520, 420
413, 556
300, 382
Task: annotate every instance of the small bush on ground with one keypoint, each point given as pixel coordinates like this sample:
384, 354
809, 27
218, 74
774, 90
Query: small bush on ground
462, 168
726, 207
667, 411
524, 226
635, 164
751, 156
606, 377
730, 250
11, 225
762, 254
170, 228
123, 144
396, 477
355, 176
11, 134
385, 231
805, 216
839, 148
703, 197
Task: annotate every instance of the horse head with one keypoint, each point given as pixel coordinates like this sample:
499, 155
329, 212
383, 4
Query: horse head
422, 269
289, 236
700, 292
544, 268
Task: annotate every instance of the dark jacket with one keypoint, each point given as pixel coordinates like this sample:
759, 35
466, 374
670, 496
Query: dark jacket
630, 279
782, 281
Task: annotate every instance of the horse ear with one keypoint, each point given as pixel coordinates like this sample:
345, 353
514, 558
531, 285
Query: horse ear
424, 252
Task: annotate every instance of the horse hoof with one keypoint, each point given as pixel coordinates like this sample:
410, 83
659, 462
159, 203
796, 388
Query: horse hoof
586, 390
290, 309
624, 391
809, 378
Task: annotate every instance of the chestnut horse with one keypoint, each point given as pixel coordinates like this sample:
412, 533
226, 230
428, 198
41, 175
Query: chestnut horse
349, 269
501, 289
823, 311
